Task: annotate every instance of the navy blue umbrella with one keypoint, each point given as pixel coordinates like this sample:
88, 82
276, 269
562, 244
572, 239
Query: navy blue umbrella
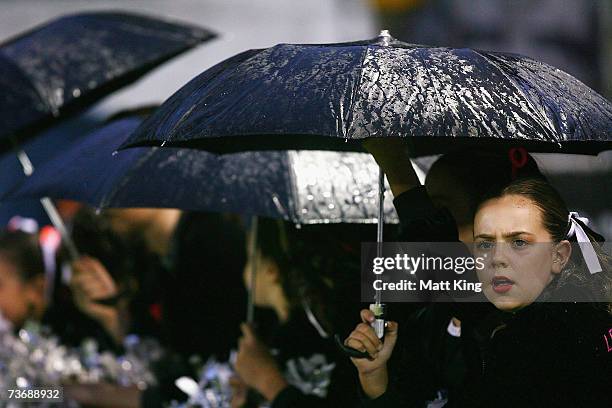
322, 96
301, 186
68, 64
39, 149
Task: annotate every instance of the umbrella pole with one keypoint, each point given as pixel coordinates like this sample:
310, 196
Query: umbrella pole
378, 308
50, 208
252, 258
380, 221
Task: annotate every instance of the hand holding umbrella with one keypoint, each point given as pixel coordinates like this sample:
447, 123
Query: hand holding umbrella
372, 371
392, 155
91, 283
256, 366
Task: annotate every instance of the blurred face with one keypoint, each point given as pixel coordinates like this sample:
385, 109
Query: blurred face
266, 278
520, 257
18, 299
127, 220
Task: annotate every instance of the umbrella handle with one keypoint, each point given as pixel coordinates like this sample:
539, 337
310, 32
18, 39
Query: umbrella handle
378, 325
349, 351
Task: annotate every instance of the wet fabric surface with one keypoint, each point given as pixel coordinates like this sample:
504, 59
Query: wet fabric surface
301, 186
327, 96
75, 60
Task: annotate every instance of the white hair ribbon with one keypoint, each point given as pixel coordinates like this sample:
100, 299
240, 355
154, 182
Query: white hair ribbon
588, 252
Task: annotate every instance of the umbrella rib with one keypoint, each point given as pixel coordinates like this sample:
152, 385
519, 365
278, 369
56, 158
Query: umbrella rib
290, 159
519, 88
385, 101
433, 84
354, 93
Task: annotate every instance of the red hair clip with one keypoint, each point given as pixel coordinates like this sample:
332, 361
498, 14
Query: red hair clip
518, 159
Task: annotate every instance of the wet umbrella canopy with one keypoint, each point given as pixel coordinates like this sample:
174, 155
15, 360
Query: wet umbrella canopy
305, 187
70, 63
321, 96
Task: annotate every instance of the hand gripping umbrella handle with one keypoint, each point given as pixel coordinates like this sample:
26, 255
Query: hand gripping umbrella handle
379, 328
349, 351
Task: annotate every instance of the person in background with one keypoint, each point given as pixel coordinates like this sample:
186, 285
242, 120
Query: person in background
309, 277
22, 278
202, 297
204, 291
109, 281
29, 293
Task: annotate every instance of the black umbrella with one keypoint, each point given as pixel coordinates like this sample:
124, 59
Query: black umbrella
304, 187
69, 63
321, 96
327, 95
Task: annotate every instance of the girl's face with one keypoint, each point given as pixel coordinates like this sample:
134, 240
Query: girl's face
520, 257
16, 297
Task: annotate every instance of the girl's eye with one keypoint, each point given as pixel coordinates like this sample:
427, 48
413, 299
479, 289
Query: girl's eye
519, 243
484, 245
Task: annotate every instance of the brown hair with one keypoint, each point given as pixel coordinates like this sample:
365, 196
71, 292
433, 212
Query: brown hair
318, 265
22, 250
479, 171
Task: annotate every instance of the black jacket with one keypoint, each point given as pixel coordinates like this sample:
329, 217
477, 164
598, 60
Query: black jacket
299, 348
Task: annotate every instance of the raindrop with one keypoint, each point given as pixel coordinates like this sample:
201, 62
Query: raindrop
76, 92
59, 95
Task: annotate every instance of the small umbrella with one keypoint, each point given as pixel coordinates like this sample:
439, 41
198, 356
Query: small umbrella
304, 187
68, 64
321, 96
